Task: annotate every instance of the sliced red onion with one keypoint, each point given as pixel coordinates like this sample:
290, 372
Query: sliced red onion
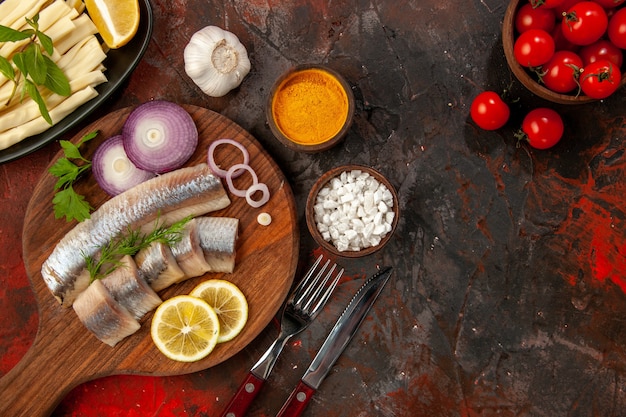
254, 188
229, 178
211, 157
112, 169
159, 136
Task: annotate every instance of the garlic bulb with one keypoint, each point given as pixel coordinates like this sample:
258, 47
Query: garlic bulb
216, 61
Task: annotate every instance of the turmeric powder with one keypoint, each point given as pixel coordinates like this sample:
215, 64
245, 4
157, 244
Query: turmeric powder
310, 106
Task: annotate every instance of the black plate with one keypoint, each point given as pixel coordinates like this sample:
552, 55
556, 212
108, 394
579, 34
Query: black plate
119, 63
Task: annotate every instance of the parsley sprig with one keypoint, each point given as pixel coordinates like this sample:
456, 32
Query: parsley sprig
34, 64
66, 201
108, 258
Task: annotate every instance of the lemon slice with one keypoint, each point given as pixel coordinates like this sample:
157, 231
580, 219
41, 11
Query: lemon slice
185, 328
228, 302
116, 20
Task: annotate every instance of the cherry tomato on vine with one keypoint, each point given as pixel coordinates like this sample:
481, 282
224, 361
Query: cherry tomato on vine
542, 128
528, 18
617, 28
548, 4
600, 79
560, 74
602, 49
584, 23
533, 48
489, 111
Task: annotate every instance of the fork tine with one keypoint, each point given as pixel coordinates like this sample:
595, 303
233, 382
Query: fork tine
314, 287
329, 290
302, 286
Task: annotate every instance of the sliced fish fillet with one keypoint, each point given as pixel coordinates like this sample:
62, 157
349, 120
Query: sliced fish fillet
158, 267
218, 240
167, 198
102, 315
130, 289
188, 253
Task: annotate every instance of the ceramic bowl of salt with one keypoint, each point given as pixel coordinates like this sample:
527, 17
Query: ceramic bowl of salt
352, 211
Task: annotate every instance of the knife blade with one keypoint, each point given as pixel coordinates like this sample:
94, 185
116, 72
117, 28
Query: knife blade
342, 332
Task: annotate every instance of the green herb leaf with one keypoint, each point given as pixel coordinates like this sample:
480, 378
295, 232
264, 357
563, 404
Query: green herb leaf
70, 150
20, 62
56, 81
67, 203
71, 205
45, 41
33, 92
87, 138
6, 68
35, 63
8, 34
66, 171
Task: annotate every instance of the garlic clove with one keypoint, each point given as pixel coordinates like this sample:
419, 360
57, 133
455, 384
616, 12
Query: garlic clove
216, 61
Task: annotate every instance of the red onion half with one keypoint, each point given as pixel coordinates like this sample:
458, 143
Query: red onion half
112, 169
159, 136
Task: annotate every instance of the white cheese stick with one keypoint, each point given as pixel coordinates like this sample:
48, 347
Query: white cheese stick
39, 125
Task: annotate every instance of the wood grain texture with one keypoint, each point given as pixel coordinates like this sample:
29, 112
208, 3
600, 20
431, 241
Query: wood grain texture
65, 354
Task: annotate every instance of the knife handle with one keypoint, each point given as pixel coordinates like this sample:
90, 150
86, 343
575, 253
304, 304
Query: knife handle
242, 399
297, 401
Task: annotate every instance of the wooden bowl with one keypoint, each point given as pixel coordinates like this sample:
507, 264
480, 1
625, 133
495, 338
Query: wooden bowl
522, 74
315, 98
310, 210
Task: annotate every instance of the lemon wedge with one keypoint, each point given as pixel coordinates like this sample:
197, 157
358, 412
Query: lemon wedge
229, 304
185, 328
116, 20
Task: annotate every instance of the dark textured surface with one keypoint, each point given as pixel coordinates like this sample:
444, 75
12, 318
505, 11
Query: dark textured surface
510, 263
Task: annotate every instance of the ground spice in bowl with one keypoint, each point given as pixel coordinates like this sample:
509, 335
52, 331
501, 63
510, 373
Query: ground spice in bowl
310, 108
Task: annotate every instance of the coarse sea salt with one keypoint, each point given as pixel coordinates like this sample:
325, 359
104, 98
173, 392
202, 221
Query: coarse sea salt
354, 211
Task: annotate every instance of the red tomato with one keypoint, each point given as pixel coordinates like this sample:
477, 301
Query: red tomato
533, 48
528, 17
600, 79
609, 4
602, 49
560, 74
489, 111
542, 128
548, 4
560, 43
584, 23
617, 28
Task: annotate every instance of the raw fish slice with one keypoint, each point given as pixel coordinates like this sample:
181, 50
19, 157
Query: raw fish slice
218, 240
107, 319
188, 253
158, 267
130, 289
165, 199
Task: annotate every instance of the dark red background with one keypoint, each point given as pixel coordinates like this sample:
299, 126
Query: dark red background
510, 263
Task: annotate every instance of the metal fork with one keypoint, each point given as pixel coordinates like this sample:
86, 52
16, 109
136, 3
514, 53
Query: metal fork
303, 305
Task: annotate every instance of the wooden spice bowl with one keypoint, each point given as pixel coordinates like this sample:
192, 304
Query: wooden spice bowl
522, 74
310, 108
310, 211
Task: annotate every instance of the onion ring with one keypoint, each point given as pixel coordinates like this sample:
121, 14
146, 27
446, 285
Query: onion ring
230, 175
222, 173
262, 187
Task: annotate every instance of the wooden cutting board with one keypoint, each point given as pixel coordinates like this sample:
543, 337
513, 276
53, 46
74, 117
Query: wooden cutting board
65, 354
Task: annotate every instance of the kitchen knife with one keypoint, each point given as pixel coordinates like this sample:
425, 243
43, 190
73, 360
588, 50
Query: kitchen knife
339, 337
